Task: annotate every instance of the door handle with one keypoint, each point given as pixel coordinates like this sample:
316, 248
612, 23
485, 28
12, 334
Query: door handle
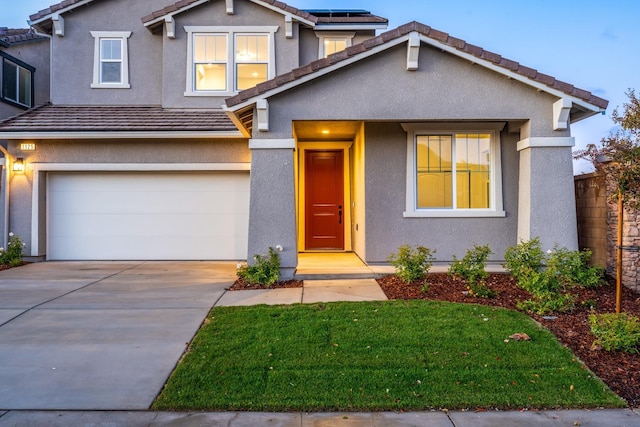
340, 214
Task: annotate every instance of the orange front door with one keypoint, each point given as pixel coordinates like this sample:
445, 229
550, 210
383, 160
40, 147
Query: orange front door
324, 200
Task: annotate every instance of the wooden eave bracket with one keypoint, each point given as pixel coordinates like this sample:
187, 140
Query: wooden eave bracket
561, 111
288, 26
58, 25
262, 108
229, 7
170, 25
413, 51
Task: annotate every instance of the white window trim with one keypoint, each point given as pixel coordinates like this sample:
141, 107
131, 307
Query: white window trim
231, 74
414, 129
98, 35
323, 35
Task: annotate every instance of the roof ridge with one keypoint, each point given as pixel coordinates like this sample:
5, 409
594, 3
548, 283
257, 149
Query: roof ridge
183, 5
437, 35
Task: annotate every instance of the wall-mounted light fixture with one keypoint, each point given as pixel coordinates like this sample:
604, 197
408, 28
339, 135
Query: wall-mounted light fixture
18, 165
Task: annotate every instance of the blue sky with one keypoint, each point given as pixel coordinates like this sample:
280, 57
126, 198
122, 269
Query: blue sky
590, 44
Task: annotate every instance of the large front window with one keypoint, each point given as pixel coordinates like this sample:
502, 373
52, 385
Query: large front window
453, 173
226, 60
17, 82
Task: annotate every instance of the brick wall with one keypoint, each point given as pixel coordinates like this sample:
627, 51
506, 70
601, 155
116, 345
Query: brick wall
598, 227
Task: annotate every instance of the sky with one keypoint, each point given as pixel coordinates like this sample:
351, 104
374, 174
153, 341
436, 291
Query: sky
590, 44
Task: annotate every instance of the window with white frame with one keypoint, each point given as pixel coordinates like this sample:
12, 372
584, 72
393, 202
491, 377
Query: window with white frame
332, 42
222, 61
110, 59
17, 81
455, 172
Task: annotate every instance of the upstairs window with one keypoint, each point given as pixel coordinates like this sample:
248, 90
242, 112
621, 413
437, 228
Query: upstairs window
17, 82
111, 64
210, 61
225, 60
453, 173
332, 42
252, 60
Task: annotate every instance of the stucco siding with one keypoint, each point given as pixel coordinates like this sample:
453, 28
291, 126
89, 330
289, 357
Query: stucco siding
272, 214
73, 75
444, 88
214, 14
387, 229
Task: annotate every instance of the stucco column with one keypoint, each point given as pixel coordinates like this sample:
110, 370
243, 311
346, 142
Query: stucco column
272, 213
546, 203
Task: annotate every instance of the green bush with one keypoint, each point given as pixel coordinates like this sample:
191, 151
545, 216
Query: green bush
13, 254
412, 264
524, 258
616, 331
572, 268
264, 271
549, 277
471, 268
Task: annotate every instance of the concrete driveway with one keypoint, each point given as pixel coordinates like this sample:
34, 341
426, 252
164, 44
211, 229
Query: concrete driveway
99, 335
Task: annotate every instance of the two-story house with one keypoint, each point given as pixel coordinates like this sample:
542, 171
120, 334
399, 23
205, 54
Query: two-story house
216, 129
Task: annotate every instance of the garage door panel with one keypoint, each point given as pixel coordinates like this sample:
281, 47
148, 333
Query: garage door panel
129, 215
148, 225
106, 203
119, 248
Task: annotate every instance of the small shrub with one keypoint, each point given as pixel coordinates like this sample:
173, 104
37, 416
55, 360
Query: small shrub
13, 255
616, 331
265, 270
480, 290
548, 302
425, 288
524, 258
548, 277
471, 268
572, 268
412, 264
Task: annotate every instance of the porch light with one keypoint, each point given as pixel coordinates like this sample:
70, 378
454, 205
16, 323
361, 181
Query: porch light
18, 165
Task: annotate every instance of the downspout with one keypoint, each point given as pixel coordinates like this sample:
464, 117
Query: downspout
5, 185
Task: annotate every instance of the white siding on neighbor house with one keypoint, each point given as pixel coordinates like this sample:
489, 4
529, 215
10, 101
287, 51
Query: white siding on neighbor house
147, 216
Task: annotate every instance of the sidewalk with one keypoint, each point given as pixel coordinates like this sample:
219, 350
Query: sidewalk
583, 418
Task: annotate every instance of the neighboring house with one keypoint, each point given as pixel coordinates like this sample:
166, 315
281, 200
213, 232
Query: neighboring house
24, 71
216, 129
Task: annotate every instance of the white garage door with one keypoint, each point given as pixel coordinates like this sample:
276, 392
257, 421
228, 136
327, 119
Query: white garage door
147, 216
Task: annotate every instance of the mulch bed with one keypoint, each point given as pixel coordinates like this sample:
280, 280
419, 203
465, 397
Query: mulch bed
620, 371
241, 285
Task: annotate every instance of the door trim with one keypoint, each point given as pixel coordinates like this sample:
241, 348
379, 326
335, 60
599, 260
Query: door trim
300, 183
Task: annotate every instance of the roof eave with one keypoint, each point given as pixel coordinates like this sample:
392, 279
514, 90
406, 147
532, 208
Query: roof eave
354, 26
48, 16
96, 134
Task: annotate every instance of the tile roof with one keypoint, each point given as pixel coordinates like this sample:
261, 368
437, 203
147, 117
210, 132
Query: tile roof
16, 35
53, 9
53, 118
187, 4
429, 32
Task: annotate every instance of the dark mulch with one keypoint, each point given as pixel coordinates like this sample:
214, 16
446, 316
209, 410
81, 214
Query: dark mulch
241, 285
7, 266
620, 371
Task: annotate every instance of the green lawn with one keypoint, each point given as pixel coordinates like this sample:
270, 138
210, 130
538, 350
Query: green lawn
392, 355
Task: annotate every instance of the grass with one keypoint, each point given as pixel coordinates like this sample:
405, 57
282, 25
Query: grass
374, 356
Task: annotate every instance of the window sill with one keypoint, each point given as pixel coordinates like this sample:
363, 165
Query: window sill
110, 86
211, 94
446, 213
